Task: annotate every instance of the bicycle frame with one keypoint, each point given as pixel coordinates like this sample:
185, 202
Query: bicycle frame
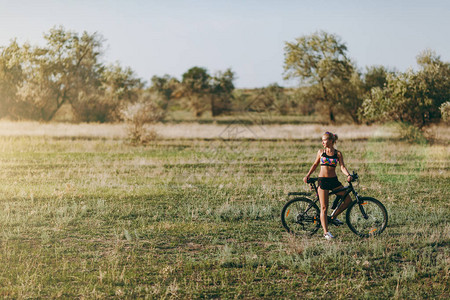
339, 198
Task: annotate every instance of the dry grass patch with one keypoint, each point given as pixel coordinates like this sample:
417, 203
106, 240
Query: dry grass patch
197, 131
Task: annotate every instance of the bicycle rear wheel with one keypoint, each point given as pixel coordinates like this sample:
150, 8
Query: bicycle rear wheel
367, 218
300, 216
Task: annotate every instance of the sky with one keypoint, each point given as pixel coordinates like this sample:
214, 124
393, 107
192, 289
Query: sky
171, 36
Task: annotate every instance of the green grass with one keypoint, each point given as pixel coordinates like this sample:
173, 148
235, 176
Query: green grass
200, 219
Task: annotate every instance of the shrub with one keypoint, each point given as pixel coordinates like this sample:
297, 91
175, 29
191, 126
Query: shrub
138, 116
411, 133
445, 112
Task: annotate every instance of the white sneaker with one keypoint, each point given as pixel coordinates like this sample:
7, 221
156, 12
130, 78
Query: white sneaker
328, 236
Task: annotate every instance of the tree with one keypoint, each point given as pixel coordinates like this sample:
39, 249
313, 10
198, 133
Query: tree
196, 89
67, 68
11, 75
204, 91
166, 87
319, 60
35, 82
303, 101
221, 87
375, 76
272, 97
435, 75
411, 97
119, 87
350, 96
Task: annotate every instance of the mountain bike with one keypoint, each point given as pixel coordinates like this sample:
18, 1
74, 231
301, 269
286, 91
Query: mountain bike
366, 216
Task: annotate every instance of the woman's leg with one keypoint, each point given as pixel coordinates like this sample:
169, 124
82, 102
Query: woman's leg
323, 198
344, 205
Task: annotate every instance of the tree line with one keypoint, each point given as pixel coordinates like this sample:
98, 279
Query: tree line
330, 78
36, 81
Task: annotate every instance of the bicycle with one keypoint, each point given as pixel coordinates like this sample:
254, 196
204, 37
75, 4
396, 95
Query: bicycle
365, 216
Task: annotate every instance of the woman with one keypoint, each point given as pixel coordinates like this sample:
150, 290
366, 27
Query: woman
328, 157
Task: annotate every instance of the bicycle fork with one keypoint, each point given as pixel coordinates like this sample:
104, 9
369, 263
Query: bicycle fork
360, 205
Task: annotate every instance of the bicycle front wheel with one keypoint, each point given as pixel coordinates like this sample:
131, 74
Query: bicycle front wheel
300, 216
367, 218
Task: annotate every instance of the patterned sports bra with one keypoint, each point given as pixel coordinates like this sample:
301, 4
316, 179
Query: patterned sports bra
330, 161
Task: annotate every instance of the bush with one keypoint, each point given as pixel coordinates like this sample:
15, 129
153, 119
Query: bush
411, 133
138, 116
445, 112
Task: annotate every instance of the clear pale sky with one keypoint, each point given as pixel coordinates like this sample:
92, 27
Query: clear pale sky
170, 36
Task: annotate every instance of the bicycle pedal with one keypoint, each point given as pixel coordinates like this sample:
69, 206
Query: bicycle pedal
335, 222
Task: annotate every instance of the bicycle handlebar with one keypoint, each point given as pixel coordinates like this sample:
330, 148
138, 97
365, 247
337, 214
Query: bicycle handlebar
354, 176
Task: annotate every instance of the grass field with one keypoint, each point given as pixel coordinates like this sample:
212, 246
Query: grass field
87, 215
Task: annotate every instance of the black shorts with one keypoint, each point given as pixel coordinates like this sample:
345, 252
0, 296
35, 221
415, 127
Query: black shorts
329, 183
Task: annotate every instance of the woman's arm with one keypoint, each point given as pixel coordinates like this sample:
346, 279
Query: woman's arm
313, 167
343, 168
